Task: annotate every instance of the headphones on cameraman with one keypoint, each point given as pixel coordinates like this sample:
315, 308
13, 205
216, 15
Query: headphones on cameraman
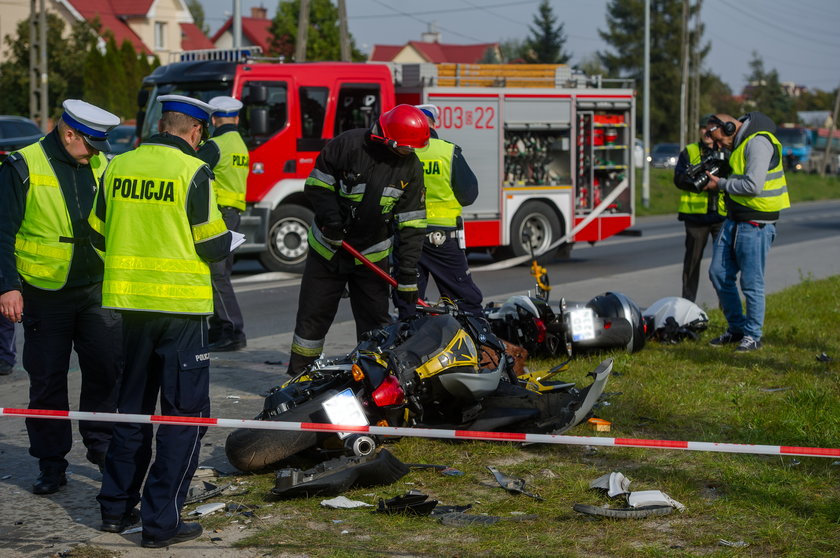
728, 128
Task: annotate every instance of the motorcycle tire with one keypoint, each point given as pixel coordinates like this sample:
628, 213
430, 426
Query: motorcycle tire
250, 449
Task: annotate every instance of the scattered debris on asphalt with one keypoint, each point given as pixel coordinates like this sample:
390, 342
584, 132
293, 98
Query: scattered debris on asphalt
513, 485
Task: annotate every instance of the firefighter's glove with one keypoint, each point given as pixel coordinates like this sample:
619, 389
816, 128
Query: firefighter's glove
333, 234
407, 294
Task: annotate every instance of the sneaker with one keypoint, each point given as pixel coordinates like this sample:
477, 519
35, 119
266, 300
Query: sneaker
728, 338
748, 344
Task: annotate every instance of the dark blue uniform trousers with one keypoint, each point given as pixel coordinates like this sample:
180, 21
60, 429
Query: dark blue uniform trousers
166, 356
55, 322
226, 321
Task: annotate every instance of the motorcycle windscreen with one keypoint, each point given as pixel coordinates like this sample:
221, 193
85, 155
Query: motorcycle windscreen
460, 351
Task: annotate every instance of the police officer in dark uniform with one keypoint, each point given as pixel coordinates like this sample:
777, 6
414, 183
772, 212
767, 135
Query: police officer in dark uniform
366, 188
52, 281
450, 185
157, 222
227, 155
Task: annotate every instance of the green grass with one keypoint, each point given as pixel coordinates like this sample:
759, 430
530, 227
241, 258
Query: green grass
779, 506
665, 197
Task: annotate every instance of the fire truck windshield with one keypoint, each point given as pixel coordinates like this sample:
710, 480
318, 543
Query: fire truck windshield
203, 91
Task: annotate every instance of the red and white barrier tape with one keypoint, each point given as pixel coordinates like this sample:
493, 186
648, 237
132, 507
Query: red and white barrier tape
426, 433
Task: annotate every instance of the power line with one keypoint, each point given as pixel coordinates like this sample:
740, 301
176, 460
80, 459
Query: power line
788, 31
415, 18
436, 12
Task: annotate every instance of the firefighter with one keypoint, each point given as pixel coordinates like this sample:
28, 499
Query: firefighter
52, 281
702, 212
450, 185
366, 187
227, 155
158, 224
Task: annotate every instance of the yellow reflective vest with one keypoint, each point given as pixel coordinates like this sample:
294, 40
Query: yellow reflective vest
231, 171
697, 203
42, 258
150, 259
774, 195
442, 208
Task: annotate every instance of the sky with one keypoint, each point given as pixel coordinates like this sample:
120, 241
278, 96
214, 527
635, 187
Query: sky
800, 39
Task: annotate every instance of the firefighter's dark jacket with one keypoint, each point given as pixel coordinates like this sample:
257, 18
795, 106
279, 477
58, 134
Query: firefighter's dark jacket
198, 205
78, 188
352, 162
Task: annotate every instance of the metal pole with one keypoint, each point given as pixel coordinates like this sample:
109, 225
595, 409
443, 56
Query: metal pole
237, 24
684, 80
303, 31
830, 138
42, 66
344, 35
646, 118
34, 75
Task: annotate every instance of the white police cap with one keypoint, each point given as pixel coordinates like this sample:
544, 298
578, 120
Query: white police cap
430, 111
92, 122
225, 106
199, 110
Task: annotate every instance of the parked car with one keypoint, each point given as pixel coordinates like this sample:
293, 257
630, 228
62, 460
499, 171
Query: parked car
16, 132
664, 155
122, 138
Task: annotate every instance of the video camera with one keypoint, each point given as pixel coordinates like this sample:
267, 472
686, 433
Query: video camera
713, 161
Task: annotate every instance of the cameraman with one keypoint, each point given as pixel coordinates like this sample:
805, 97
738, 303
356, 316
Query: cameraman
703, 212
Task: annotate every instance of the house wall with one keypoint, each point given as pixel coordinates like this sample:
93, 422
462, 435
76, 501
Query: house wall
14, 11
225, 41
169, 13
409, 55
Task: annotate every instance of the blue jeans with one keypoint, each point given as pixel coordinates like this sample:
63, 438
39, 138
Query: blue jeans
742, 248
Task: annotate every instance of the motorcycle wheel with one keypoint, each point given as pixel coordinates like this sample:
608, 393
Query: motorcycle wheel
249, 449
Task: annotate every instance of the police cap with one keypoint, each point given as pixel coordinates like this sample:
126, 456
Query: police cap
431, 111
199, 110
224, 106
90, 121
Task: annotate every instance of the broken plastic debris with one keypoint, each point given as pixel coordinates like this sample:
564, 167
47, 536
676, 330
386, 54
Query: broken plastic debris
203, 491
344, 503
646, 498
412, 502
599, 425
451, 472
132, 530
736, 544
623, 513
822, 357
6, 477
207, 509
614, 483
511, 484
232, 397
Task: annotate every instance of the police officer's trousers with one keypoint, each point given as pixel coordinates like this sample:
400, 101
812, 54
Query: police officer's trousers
320, 292
54, 323
226, 321
696, 237
166, 356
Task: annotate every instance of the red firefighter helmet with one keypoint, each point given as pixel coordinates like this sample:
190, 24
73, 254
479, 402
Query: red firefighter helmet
402, 126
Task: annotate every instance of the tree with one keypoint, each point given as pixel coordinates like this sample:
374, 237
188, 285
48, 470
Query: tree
513, 51
323, 37
546, 42
197, 13
765, 93
625, 35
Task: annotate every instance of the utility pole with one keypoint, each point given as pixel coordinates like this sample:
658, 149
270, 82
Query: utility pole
303, 31
38, 76
684, 80
830, 138
694, 113
646, 120
343, 34
237, 24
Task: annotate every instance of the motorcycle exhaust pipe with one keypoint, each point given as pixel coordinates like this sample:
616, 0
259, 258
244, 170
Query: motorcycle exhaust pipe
360, 445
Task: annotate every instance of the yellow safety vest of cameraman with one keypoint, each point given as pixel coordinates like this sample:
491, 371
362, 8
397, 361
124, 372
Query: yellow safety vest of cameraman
150, 258
442, 209
774, 195
42, 258
697, 203
231, 171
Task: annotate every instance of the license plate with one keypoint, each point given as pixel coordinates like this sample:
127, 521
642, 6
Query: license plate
344, 408
582, 322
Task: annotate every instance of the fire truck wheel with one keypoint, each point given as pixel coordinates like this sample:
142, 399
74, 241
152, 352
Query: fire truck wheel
537, 220
287, 246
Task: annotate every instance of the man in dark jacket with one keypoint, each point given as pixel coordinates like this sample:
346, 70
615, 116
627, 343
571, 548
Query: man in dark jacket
366, 189
52, 281
756, 192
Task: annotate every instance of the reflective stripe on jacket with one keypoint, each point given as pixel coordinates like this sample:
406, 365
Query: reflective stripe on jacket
774, 195
442, 209
231, 171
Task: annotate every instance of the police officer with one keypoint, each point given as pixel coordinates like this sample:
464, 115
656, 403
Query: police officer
227, 155
702, 212
52, 281
450, 185
366, 186
157, 222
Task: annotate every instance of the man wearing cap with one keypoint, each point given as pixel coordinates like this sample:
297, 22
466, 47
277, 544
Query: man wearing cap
52, 281
702, 212
227, 155
157, 223
450, 185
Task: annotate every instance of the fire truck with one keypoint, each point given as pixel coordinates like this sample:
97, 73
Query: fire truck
551, 149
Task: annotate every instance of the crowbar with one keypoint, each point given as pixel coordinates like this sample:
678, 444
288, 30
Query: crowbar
376, 269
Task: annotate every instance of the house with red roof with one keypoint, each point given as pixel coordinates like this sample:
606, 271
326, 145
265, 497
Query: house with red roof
256, 31
430, 49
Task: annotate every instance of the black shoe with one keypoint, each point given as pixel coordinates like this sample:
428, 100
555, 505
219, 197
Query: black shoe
120, 524
49, 482
226, 345
186, 532
97, 458
728, 338
6, 368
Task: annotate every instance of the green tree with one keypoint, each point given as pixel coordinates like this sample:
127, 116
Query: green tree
625, 35
322, 38
546, 42
513, 50
765, 93
197, 13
